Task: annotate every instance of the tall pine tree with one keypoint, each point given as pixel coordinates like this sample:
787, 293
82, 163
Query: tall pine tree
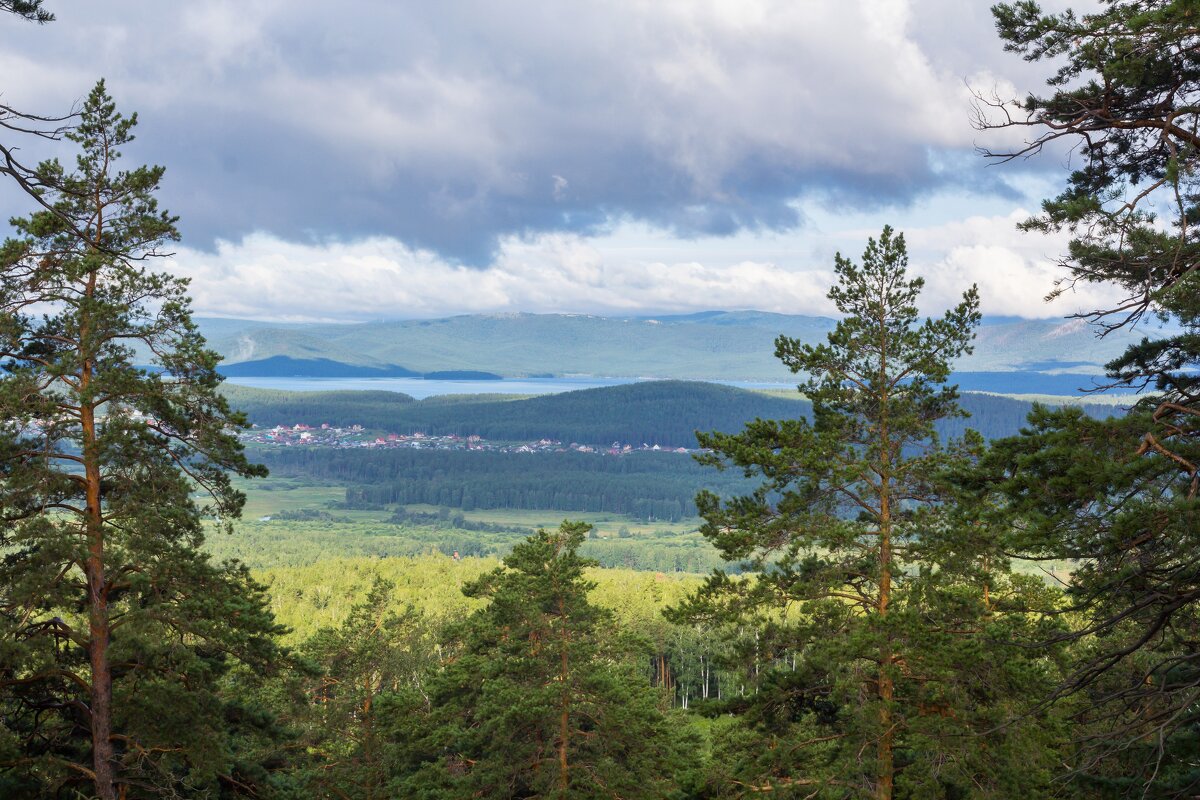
115, 628
375, 654
539, 699
872, 599
1121, 497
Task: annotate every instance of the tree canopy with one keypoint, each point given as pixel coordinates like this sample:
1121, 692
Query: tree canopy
870, 597
1119, 497
116, 626
539, 698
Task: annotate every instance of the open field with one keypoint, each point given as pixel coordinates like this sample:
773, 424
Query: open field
605, 524
293, 522
272, 494
313, 528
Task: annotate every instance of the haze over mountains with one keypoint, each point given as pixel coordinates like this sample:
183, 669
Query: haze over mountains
714, 345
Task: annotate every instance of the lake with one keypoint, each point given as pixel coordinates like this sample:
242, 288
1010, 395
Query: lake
420, 388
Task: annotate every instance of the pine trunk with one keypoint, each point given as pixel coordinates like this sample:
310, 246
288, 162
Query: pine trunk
98, 622
885, 761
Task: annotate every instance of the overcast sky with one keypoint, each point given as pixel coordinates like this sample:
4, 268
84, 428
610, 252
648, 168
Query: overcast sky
366, 160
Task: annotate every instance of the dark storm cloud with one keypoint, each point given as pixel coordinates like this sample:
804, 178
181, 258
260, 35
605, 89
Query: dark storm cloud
448, 125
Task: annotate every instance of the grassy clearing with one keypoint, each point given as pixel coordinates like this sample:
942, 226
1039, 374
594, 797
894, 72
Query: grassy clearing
292, 523
271, 495
320, 546
608, 525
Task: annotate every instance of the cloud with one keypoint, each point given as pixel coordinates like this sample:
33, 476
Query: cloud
456, 126
267, 278
632, 270
1014, 271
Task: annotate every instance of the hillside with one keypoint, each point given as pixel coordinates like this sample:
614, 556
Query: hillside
713, 346
666, 413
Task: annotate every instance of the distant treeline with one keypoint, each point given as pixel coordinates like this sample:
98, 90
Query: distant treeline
654, 486
658, 486
444, 518
269, 407
666, 413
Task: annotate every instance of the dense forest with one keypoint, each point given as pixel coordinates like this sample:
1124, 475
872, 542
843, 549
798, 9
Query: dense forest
646, 485
883, 617
666, 413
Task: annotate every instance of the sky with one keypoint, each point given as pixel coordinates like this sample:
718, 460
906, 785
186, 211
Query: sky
375, 159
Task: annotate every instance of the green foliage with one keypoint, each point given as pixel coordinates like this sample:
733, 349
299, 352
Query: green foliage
643, 485
28, 9
1126, 89
655, 412
1121, 495
374, 653
444, 518
116, 631
647, 485
540, 698
1077, 488
308, 598
266, 408
855, 528
294, 543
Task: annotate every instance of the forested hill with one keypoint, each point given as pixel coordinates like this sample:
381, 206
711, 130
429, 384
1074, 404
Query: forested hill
268, 408
666, 413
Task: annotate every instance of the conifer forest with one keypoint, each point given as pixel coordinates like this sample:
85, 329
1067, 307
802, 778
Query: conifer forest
868, 584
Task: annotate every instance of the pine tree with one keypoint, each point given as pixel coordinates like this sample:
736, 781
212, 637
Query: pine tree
1074, 490
27, 9
115, 628
538, 700
863, 626
1125, 92
1120, 498
374, 654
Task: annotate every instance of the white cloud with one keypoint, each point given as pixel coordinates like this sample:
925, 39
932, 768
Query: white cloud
634, 270
267, 278
697, 133
1014, 270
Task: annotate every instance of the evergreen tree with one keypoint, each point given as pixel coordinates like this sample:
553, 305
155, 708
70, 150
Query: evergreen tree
1125, 92
538, 700
27, 9
373, 654
1075, 490
868, 666
1120, 497
115, 628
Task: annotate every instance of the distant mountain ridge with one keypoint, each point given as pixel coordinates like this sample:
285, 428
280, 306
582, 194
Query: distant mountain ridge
710, 345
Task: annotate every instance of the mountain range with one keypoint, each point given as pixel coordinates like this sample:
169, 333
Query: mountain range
712, 345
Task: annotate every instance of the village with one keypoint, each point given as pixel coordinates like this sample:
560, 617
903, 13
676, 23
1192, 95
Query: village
356, 436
